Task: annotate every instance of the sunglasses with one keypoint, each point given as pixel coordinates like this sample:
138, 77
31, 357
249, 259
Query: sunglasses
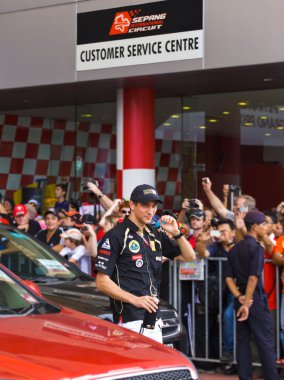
127, 212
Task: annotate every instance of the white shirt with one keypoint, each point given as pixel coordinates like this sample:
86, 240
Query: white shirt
79, 254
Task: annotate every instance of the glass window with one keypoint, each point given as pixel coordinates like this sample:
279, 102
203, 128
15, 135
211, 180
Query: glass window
239, 141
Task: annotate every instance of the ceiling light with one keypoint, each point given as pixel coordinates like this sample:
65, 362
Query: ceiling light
226, 113
202, 127
167, 124
212, 120
280, 127
175, 116
87, 115
263, 117
268, 79
267, 134
186, 108
281, 108
243, 104
248, 124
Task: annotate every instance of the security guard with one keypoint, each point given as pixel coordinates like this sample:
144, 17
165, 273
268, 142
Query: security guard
130, 258
245, 265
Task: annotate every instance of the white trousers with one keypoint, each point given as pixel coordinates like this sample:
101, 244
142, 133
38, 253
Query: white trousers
155, 333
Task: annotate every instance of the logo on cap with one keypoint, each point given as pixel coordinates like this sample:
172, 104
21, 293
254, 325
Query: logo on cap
20, 210
149, 191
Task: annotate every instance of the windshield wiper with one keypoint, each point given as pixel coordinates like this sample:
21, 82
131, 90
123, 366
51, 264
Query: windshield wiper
44, 280
83, 277
35, 308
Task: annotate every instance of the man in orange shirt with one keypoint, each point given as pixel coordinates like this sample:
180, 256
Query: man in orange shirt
278, 259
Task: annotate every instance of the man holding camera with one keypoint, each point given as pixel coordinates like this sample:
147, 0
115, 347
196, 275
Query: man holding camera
242, 204
129, 262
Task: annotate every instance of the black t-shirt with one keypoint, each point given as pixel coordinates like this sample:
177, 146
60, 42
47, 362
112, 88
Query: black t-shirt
55, 238
133, 262
34, 227
246, 259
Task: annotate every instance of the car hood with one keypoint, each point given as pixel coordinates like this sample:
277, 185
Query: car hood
45, 347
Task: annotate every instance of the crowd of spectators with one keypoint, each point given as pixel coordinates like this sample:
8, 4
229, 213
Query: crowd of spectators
212, 231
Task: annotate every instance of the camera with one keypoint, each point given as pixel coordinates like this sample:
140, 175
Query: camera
215, 233
92, 180
205, 180
235, 189
149, 320
214, 222
193, 203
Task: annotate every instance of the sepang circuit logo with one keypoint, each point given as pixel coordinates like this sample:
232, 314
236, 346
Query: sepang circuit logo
132, 22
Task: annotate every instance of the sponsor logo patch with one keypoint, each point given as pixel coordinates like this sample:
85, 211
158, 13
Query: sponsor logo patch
101, 264
136, 257
139, 263
104, 252
106, 244
103, 258
134, 246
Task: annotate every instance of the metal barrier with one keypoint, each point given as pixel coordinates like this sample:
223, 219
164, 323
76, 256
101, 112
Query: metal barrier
175, 298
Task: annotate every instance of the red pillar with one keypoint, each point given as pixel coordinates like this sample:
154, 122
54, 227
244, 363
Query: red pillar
135, 139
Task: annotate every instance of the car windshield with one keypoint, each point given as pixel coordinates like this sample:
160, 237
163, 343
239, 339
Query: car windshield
28, 259
14, 299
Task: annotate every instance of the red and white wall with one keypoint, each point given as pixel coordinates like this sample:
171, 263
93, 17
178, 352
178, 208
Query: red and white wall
33, 148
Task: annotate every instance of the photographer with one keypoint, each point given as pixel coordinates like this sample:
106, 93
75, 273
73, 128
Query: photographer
103, 199
187, 205
129, 262
243, 203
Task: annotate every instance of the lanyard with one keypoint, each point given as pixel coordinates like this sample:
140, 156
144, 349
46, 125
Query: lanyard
146, 241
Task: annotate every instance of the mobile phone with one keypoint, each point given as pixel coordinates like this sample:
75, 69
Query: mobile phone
215, 233
205, 180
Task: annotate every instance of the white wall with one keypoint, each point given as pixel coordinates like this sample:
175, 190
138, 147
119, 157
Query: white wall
38, 40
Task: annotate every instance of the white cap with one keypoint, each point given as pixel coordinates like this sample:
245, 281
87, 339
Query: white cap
72, 233
34, 201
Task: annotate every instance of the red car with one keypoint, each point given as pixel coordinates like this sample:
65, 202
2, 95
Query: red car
43, 341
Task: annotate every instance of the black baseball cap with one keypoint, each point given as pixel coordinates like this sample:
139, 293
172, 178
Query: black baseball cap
145, 193
51, 211
254, 217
